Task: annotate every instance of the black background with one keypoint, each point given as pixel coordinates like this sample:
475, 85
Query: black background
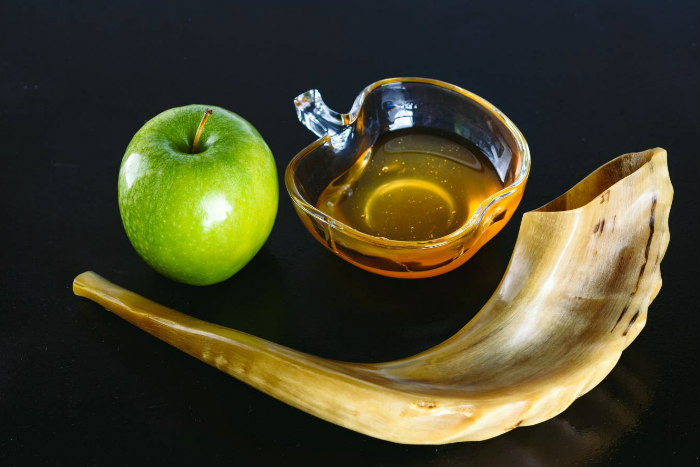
584, 81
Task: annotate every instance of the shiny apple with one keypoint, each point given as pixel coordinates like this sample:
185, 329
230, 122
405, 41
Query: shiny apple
197, 193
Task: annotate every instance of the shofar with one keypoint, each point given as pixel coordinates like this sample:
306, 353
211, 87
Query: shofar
575, 294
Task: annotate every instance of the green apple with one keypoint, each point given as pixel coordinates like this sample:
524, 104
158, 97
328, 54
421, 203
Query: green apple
197, 193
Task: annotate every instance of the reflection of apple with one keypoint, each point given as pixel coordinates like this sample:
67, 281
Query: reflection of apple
197, 193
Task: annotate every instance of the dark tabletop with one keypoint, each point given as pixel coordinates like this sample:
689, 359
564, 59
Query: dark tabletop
584, 81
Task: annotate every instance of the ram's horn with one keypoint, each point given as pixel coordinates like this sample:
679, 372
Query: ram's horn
575, 294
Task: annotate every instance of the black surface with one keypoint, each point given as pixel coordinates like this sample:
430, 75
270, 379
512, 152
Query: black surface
584, 81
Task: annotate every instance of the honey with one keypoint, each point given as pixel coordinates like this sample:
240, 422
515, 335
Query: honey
412, 185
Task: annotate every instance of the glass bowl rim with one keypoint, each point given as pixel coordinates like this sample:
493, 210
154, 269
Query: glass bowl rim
476, 217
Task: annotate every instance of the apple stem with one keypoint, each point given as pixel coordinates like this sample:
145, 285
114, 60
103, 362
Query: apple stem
200, 128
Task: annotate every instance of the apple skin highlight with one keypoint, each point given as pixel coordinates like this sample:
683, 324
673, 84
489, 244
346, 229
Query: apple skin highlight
197, 215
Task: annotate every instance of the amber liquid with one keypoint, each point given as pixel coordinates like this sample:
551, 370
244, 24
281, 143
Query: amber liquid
412, 185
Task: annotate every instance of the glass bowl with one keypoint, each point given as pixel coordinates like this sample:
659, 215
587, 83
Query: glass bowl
396, 104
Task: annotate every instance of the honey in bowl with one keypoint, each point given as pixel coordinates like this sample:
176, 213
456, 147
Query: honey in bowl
412, 185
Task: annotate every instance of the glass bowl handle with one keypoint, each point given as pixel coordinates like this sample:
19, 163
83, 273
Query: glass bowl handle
316, 116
